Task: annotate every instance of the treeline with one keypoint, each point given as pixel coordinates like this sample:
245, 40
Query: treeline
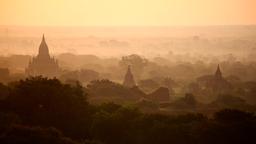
43, 111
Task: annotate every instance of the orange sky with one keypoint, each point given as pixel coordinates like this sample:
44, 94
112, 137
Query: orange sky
127, 12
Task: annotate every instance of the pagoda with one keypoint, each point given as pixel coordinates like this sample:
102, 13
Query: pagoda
129, 81
43, 64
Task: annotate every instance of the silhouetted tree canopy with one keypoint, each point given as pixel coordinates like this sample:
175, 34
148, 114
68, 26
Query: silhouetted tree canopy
18, 134
41, 110
48, 102
4, 91
107, 88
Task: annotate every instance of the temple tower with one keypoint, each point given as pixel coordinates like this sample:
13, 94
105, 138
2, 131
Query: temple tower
220, 84
43, 50
128, 79
218, 74
43, 64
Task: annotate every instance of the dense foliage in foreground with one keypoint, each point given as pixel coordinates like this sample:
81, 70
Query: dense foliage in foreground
40, 110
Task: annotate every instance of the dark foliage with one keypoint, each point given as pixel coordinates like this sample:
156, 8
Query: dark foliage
48, 102
18, 134
40, 110
4, 91
108, 89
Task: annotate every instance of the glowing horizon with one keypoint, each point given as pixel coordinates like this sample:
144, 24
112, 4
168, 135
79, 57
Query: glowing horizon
127, 12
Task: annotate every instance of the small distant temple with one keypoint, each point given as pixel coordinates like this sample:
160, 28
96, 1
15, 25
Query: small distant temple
129, 81
218, 74
220, 84
43, 64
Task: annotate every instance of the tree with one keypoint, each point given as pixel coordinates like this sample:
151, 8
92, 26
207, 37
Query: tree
25, 134
111, 90
4, 91
48, 102
228, 115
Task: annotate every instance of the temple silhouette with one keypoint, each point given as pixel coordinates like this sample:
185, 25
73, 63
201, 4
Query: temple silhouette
218, 74
43, 64
220, 84
129, 81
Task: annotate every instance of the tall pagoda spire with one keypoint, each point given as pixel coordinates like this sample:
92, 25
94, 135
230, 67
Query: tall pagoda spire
218, 73
128, 79
43, 49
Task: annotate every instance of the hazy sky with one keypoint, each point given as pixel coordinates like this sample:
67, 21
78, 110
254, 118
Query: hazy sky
127, 12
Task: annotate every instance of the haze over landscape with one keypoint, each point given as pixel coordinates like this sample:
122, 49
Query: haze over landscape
127, 71
124, 27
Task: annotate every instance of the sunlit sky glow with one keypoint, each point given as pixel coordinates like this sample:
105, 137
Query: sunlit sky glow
127, 12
